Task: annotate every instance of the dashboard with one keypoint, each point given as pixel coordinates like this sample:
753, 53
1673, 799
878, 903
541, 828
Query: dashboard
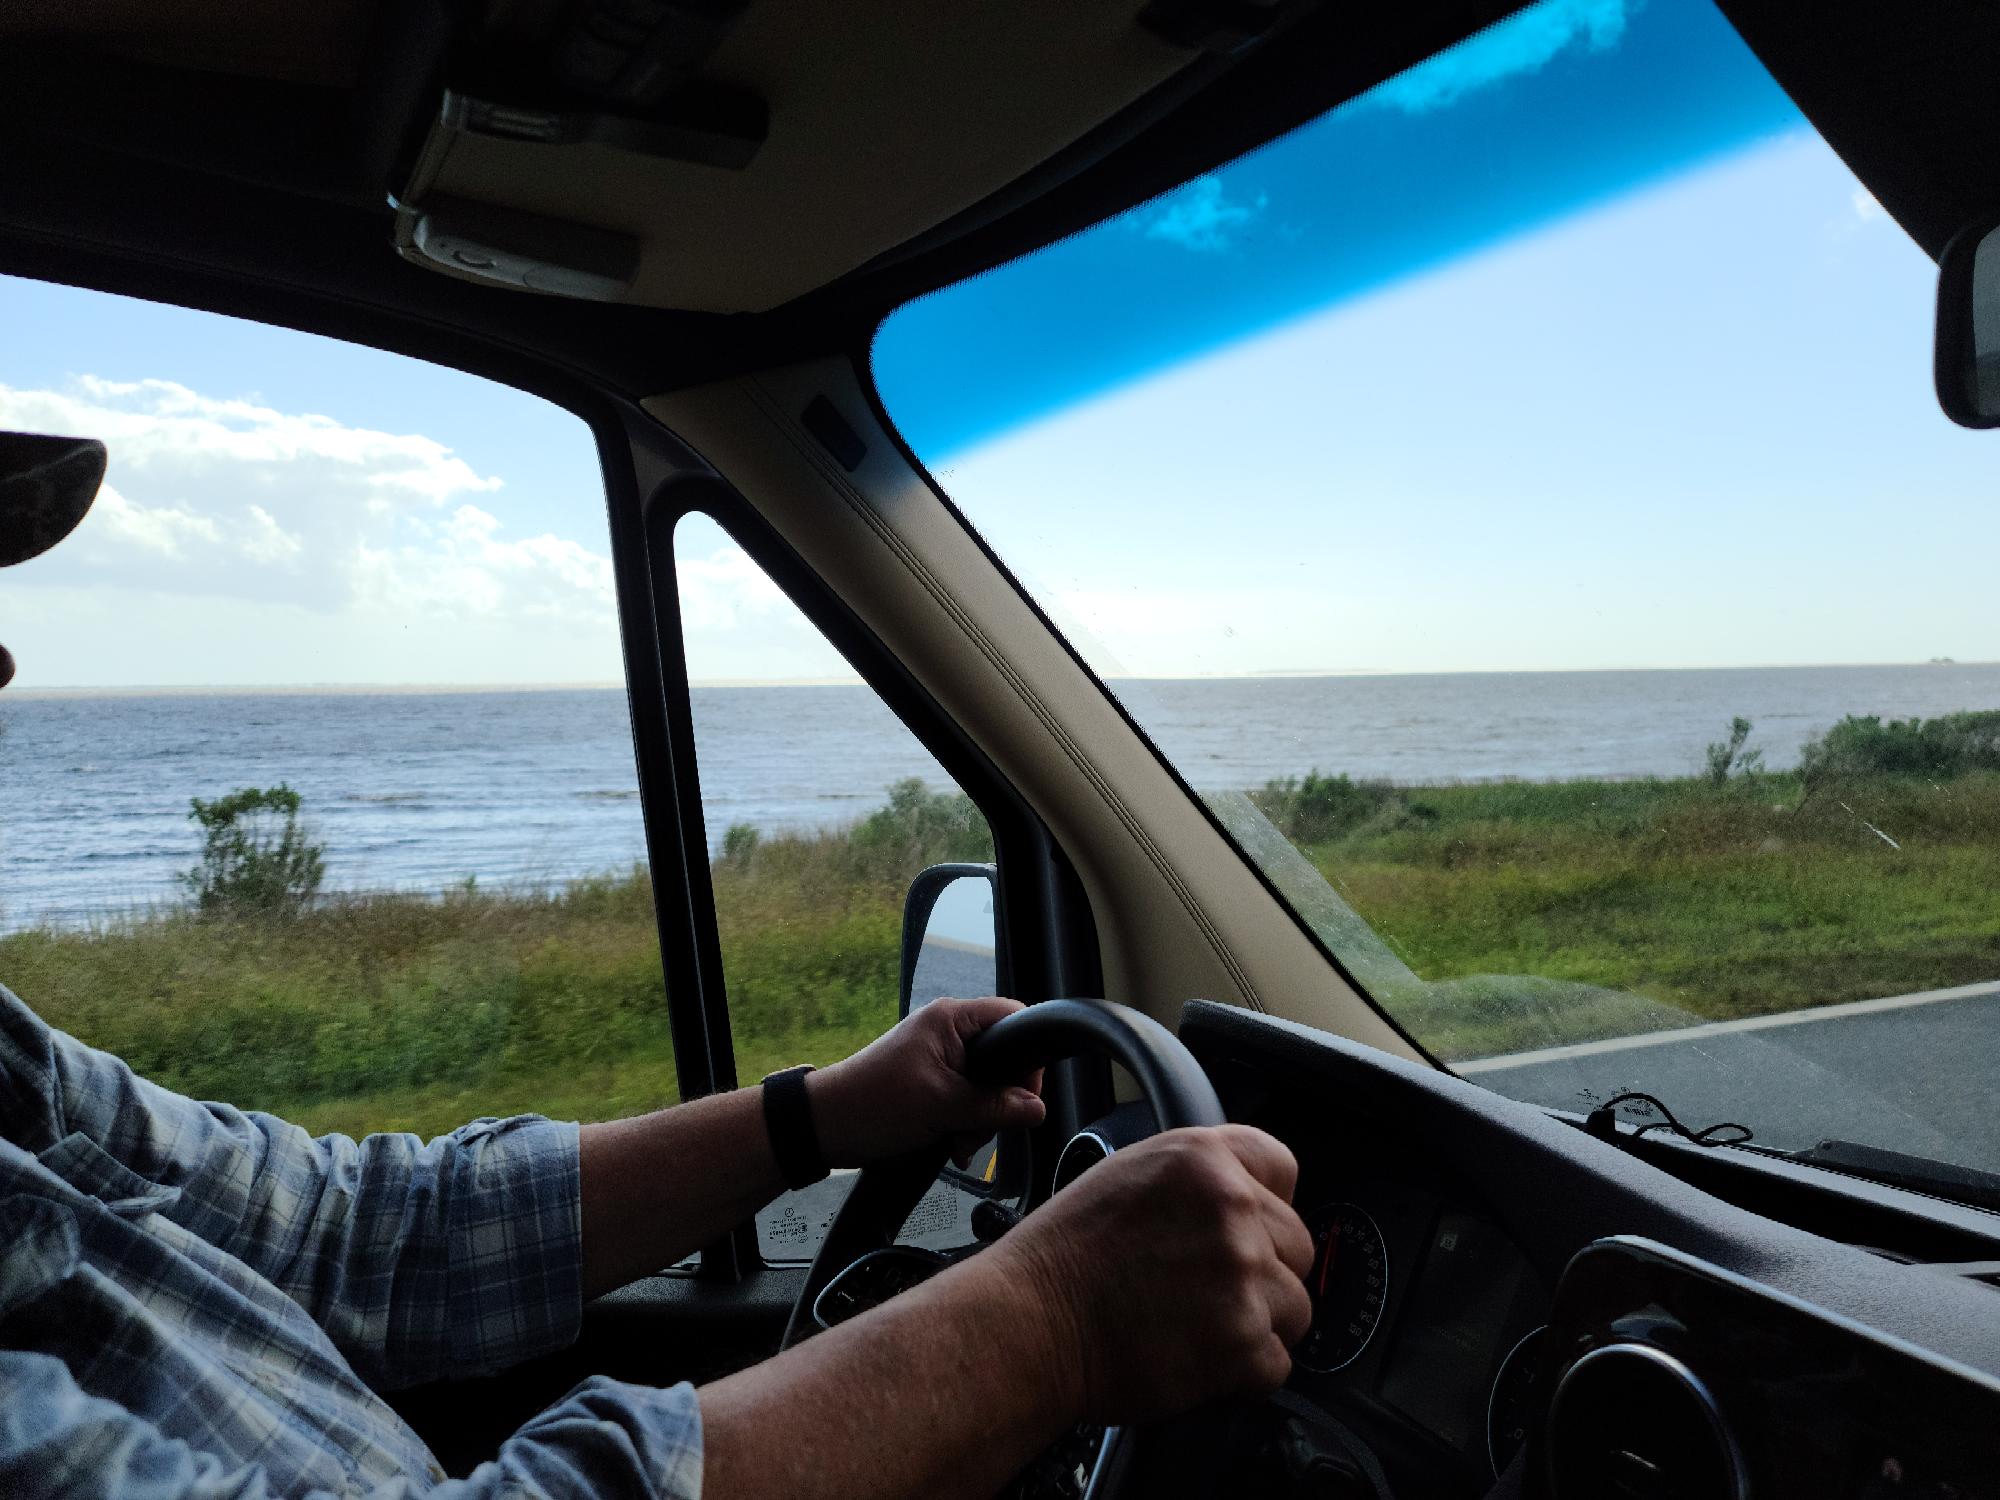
1506, 1305
1426, 1314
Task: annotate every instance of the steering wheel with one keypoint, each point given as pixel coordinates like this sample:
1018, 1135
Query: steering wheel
1172, 1082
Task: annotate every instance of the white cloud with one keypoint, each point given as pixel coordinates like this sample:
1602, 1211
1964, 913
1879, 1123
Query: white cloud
464, 568
162, 529
1523, 43
1866, 208
345, 533
1200, 216
266, 541
162, 427
724, 589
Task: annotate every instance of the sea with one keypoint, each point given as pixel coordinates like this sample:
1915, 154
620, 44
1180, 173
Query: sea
423, 790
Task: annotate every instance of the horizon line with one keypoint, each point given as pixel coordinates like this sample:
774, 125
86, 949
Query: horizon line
307, 689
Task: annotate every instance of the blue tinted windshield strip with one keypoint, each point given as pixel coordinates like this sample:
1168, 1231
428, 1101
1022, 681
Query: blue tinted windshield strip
1594, 98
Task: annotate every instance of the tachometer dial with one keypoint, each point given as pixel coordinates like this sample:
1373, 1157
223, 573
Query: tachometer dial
1349, 1284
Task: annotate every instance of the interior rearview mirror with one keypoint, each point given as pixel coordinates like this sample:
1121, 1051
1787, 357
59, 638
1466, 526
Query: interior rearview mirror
1968, 326
951, 936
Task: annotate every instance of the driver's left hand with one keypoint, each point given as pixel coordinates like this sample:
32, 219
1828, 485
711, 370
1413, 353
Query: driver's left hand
907, 1088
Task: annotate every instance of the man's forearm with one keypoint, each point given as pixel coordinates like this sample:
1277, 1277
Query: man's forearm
946, 1390
659, 1186
664, 1184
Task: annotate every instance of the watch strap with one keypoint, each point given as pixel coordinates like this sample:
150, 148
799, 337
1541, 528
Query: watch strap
794, 1138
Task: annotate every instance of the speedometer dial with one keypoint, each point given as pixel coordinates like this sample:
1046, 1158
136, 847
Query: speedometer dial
1349, 1284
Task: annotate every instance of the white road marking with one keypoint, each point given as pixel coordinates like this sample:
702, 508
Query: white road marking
1724, 1028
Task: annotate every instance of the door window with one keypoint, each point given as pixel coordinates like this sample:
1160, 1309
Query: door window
317, 790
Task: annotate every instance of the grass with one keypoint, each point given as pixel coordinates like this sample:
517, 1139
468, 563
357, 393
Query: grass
401, 1012
1692, 900
1627, 905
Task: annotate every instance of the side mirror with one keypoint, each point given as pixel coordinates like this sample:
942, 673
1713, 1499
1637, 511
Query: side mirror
951, 936
46, 486
952, 945
1968, 326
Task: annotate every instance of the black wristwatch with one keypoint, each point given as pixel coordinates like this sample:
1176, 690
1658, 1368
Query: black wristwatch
788, 1119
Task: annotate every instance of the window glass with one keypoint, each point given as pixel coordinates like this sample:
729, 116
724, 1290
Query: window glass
821, 807
1517, 503
358, 611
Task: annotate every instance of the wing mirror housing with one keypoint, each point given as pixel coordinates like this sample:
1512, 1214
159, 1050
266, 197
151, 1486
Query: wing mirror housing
1968, 325
951, 936
954, 944
46, 486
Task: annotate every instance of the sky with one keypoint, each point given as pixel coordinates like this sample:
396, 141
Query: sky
1571, 348
1641, 379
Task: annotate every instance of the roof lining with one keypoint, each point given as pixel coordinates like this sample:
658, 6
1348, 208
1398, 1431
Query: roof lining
88, 217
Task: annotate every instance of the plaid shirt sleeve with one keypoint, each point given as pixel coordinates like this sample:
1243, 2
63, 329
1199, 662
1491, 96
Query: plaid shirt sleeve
421, 1260
604, 1438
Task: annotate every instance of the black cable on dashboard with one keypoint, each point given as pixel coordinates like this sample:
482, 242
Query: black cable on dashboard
1602, 1122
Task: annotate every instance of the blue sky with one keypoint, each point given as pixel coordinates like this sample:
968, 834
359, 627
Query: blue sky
1571, 348
1564, 104
1575, 348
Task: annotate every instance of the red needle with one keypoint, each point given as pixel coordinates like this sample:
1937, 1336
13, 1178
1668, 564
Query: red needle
1332, 1249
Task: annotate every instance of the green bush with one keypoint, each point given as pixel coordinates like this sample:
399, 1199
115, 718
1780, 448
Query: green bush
1314, 809
1948, 745
255, 859
919, 827
1728, 755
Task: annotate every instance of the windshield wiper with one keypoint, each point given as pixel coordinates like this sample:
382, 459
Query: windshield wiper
1940, 1179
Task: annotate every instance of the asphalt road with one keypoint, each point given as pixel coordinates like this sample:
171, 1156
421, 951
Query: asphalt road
960, 970
1914, 1073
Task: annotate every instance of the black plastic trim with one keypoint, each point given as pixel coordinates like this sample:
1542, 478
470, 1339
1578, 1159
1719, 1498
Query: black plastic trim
1852, 1209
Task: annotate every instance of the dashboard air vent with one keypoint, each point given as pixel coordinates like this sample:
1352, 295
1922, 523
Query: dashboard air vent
1630, 1420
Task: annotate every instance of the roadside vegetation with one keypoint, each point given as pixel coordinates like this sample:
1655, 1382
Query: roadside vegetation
1869, 869
369, 1012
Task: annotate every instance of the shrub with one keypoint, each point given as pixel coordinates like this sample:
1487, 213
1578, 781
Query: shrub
739, 842
255, 859
919, 827
1314, 808
1948, 745
1729, 755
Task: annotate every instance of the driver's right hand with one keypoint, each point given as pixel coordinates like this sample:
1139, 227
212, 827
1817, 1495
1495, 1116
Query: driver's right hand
1176, 1270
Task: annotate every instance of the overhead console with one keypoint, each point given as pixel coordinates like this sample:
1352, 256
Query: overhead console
731, 155
1508, 1300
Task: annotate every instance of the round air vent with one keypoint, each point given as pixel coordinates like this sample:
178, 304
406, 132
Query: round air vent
1631, 1422
1085, 1150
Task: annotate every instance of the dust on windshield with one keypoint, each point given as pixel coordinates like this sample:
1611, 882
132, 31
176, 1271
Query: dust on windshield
1515, 502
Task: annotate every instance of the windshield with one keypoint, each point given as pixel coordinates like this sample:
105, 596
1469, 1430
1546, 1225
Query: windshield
1516, 503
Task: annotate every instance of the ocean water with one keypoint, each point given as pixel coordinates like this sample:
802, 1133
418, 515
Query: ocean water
420, 790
